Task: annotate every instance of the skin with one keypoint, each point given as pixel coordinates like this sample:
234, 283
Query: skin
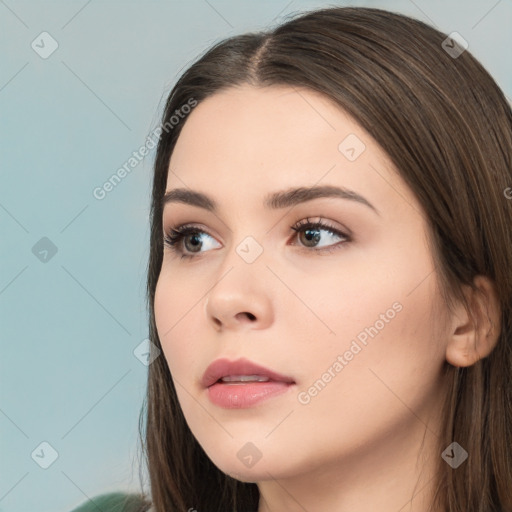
368, 439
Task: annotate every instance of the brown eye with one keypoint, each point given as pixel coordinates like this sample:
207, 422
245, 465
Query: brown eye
319, 236
310, 237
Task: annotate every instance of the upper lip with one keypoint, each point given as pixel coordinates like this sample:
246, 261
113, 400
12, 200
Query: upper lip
224, 368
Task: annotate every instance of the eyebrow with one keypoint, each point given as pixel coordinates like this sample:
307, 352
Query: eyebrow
275, 200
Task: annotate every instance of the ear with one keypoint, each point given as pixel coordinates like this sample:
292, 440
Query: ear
473, 336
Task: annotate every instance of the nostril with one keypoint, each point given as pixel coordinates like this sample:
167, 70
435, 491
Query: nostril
250, 316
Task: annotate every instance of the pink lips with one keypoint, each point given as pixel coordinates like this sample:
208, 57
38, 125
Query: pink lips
255, 383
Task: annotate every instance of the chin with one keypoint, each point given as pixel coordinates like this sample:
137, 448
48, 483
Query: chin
244, 462
246, 477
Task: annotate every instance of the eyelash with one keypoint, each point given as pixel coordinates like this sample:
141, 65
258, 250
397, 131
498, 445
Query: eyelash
175, 236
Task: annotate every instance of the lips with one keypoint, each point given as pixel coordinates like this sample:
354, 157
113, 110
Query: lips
240, 371
242, 384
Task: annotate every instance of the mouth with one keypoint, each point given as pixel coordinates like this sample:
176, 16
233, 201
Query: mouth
240, 379
242, 383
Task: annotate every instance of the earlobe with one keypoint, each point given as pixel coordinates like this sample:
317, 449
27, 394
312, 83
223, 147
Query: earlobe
475, 333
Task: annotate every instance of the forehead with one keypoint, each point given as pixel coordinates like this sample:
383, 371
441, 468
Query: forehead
252, 124
246, 141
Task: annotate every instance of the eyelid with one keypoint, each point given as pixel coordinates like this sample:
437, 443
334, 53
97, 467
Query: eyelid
191, 226
324, 224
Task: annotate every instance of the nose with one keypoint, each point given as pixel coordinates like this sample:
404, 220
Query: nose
240, 299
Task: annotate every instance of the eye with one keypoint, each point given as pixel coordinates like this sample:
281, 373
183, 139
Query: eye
188, 239
310, 235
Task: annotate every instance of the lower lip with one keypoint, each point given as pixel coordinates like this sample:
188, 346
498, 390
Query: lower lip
239, 396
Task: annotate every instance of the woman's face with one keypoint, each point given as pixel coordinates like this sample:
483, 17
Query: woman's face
342, 312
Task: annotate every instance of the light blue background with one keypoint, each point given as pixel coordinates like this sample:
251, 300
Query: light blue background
67, 123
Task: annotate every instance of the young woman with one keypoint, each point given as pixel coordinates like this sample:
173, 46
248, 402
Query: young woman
329, 277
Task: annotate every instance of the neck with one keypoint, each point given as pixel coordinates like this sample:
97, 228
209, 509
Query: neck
396, 473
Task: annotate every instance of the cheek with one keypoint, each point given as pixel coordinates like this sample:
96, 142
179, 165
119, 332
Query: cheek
391, 357
176, 305
359, 298
387, 379
378, 315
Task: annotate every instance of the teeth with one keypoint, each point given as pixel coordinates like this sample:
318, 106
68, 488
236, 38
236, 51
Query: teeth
244, 378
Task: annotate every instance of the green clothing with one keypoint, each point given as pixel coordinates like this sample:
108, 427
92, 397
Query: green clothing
115, 502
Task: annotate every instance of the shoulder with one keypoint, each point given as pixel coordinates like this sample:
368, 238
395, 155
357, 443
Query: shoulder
115, 502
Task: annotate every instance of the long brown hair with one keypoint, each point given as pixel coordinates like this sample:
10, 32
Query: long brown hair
447, 127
